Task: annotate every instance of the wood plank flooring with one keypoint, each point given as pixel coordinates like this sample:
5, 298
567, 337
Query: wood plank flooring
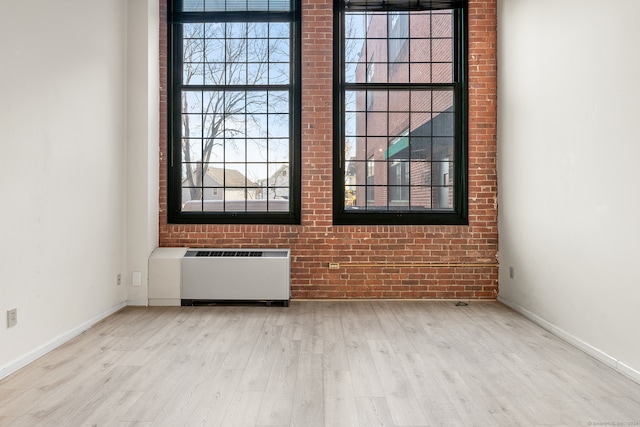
318, 363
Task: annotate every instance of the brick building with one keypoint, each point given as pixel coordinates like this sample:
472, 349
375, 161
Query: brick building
413, 145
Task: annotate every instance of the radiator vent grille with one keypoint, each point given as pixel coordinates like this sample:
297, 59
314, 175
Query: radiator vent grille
224, 254
236, 254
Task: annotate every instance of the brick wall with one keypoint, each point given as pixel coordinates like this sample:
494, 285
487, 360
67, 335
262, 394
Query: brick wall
375, 261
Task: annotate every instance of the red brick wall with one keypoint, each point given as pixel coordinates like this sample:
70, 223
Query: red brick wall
375, 261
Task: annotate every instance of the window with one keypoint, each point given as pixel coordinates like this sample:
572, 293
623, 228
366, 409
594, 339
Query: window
400, 132
398, 33
370, 181
234, 117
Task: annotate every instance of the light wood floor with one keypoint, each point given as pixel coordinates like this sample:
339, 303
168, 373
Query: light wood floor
382, 363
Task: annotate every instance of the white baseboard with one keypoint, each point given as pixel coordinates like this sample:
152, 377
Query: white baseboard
23, 361
165, 302
138, 303
575, 341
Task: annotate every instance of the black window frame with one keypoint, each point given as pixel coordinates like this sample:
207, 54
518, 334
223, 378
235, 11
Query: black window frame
176, 17
458, 215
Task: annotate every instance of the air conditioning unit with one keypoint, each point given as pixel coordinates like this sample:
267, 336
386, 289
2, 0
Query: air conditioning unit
236, 275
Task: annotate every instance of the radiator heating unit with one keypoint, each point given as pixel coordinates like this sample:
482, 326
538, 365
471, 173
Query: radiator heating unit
239, 275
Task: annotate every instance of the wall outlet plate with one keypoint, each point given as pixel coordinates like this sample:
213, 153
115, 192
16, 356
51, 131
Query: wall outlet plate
12, 317
136, 278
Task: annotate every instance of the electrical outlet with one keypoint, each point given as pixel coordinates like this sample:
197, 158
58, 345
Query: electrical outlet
119, 279
136, 279
334, 266
12, 318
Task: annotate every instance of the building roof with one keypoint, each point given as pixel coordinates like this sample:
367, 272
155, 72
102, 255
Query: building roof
233, 177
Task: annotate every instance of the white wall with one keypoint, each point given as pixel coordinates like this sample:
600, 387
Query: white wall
143, 135
69, 152
568, 158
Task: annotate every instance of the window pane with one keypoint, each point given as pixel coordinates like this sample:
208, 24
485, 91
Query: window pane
420, 198
234, 150
235, 200
278, 149
442, 198
399, 100
234, 125
440, 173
193, 5
377, 100
356, 25
442, 73
351, 72
235, 175
420, 25
192, 125
350, 124
235, 49
236, 30
192, 149
398, 123
279, 73
193, 30
279, 30
399, 129
442, 125
214, 73
214, 149
278, 175
192, 73
420, 148
236, 6
442, 149
279, 50
234, 145
257, 125
257, 175
377, 124
399, 72
421, 72
441, 24
278, 125
278, 102
255, 102
214, 50
259, 31
234, 102
278, 200
399, 148
442, 50
256, 150
387, 135
442, 101
192, 102
257, 73
420, 50
398, 47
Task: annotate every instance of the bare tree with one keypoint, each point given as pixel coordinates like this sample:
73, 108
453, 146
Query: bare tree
220, 54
